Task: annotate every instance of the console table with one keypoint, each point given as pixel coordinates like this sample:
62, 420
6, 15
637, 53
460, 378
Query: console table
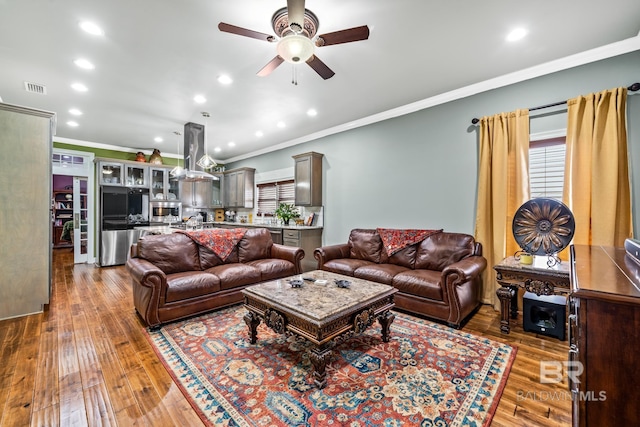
537, 278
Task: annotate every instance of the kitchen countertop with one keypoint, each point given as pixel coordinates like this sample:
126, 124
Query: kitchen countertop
165, 229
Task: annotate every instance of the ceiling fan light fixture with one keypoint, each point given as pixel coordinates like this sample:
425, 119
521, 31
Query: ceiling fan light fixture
295, 48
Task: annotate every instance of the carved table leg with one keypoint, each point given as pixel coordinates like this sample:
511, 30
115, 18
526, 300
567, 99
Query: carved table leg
514, 302
505, 293
252, 321
319, 358
385, 320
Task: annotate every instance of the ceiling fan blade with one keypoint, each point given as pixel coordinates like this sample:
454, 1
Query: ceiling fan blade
320, 67
295, 14
343, 36
272, 65
228, 28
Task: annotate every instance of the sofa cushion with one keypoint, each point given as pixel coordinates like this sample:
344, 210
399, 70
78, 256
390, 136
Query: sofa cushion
345, 266
443, 249
365, 245
421, 283
171, 253
235, 274
381, 273
208, 259
190, 284
256, 244
273, 268
405, 257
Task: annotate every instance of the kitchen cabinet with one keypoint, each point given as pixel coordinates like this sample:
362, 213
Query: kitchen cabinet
239, 188
129, 174
110, 173
162, 185
25, 172
604, 315
308, 240
136, 175
308, 179
201, 194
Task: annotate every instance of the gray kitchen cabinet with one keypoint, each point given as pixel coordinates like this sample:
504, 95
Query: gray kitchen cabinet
202, 194
308, 240
25, 176
308, 179
239, 188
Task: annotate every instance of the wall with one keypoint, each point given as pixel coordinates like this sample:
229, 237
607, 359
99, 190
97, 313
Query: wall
419, 170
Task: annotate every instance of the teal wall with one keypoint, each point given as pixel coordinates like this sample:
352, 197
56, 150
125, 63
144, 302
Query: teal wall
419, 170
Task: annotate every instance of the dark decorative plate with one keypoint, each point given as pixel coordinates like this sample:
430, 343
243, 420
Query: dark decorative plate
543, 226
342, 283
295, 283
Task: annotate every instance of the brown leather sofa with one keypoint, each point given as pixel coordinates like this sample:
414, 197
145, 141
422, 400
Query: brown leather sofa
438, 277
173, 277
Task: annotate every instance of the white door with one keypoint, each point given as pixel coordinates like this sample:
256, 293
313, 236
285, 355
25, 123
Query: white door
79, 165
80, 220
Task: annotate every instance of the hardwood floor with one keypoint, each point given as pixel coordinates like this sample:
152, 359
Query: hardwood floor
86, 361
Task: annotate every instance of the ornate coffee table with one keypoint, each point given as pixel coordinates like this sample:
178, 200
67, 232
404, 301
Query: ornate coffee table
324, 314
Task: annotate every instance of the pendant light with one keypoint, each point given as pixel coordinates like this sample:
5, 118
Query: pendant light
178, 171
206, 161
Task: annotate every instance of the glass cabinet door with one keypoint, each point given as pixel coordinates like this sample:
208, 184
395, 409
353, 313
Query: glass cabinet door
158, 184
111, 173
137, 176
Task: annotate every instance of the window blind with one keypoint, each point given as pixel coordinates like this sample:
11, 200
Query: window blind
271, 194
546, 168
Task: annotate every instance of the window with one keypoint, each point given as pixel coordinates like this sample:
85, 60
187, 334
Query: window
271, 194
546, 167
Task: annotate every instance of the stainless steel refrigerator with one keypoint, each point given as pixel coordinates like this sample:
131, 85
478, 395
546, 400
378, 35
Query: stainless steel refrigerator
121, 210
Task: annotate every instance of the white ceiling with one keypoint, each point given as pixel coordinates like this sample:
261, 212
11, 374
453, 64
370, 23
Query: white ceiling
157, 54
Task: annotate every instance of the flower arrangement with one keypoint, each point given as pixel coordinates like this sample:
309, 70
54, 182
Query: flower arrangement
286, 211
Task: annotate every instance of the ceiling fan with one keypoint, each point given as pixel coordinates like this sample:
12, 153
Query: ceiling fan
296, 29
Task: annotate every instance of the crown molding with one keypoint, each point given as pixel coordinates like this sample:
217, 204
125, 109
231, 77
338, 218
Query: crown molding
572, 61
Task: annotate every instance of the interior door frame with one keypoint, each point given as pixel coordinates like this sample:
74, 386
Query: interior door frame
86, 170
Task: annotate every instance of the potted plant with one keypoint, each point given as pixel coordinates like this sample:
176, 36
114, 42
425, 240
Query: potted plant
286, 211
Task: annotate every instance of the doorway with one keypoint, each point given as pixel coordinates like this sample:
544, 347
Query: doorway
73, 203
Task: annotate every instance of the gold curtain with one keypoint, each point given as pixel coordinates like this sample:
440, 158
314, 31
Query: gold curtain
503, 185
596, 187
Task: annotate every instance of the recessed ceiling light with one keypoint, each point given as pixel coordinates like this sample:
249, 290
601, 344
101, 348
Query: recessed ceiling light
217, 149
200, 99
231, 144
79, 87
224, 79
84, 63
516, 34
92, 28
75, 112
311, 112
72, 123
259, 134
281, 125
157, 139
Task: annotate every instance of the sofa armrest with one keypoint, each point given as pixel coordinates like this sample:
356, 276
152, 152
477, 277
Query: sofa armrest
464, 270
327, 253
149, 285
288, 253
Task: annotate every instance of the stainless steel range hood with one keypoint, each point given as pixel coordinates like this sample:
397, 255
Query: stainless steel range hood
193, 150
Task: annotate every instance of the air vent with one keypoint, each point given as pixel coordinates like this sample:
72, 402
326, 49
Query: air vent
35, 88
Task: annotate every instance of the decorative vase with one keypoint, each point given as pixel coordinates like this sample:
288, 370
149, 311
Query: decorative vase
140, 157
155, 157
286, 221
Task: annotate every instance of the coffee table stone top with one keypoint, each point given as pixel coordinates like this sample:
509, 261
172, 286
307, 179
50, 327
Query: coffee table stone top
315, 300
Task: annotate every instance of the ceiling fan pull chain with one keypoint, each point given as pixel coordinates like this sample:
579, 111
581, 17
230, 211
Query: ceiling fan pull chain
294, 75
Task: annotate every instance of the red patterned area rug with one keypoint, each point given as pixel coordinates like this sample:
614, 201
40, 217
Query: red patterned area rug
426, 375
